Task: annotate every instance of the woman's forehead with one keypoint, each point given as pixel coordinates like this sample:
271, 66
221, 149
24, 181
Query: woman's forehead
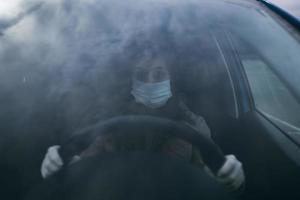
151, 63
151, 68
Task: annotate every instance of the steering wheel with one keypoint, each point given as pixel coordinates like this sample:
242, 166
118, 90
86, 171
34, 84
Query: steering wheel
134, 175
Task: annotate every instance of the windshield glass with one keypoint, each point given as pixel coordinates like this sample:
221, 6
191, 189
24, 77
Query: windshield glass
68, 64
88, 53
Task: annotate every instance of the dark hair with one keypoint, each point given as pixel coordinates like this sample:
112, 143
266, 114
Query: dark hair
144, 49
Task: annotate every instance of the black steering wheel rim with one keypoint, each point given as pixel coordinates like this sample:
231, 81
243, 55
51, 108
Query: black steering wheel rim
133, 124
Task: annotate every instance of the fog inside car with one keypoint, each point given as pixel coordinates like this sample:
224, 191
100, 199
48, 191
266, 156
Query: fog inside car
68, 64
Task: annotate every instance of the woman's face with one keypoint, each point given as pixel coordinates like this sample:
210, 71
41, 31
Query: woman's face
151, 85
152, 73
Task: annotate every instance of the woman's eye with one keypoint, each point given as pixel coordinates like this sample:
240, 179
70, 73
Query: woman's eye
160, 74
141, 75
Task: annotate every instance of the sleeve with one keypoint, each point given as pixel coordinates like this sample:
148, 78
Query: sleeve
195, 121
199, 124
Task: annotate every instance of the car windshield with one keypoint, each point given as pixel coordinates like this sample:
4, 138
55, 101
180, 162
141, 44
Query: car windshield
91, 53
67, 64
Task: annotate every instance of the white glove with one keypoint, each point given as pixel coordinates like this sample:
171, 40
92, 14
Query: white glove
52, 162
231, 174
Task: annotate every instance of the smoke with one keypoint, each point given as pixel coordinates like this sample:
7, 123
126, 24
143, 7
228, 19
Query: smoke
74, 46
67, 63
14, 11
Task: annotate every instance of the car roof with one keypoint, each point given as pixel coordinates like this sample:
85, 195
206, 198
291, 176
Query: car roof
291, 6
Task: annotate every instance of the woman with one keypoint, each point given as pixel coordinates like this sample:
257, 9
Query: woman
153, 95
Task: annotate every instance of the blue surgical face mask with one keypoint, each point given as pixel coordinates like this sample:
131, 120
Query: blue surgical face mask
153, 95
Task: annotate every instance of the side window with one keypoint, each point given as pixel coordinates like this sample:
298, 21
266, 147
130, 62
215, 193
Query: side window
272, 97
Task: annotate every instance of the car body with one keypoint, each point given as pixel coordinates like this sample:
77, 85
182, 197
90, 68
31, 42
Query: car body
68, 64
289, 10
290, 6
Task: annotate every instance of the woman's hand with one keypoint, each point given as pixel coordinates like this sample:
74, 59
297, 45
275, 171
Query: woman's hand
231, 174
52, 162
